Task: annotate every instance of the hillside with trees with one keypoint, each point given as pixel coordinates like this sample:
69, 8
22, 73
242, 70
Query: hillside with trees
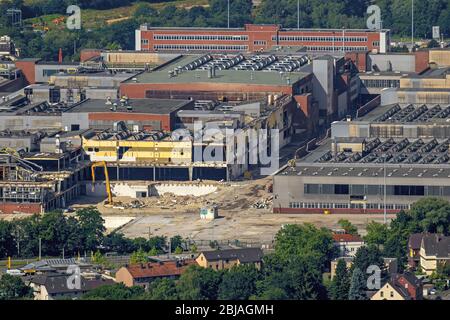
210, 13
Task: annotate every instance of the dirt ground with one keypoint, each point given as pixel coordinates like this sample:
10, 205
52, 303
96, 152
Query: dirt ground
245, 214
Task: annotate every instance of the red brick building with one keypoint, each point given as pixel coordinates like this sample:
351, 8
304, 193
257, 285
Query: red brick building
254, 38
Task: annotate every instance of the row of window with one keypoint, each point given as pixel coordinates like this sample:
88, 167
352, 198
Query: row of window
319, 39
201, 47
259, 43
336, 48
381, 83
391, 190
201, 37
321, 205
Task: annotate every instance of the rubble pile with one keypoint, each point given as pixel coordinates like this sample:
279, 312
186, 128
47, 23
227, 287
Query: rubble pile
263, 203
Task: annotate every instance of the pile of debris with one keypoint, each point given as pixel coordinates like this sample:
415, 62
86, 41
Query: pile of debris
263, 204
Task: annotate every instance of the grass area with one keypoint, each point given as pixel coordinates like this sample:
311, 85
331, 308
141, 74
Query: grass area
16, 263
92, 18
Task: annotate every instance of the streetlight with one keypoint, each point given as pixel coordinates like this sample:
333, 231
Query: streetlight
412, 25
228, 13
384, 198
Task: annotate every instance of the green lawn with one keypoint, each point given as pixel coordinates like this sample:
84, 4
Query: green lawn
96, 18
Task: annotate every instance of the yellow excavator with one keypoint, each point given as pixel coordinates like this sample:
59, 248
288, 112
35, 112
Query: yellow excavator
108, 185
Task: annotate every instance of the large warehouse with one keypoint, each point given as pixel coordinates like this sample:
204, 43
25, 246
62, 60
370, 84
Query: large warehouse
257, 38
398, 121
364, 175
222, 77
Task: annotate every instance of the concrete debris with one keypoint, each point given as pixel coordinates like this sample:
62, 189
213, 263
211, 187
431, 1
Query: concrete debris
250, 195
263, 204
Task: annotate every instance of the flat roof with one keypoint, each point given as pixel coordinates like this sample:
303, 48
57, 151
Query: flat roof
410, 113
280, 28
222, 76
368, 171
150, 106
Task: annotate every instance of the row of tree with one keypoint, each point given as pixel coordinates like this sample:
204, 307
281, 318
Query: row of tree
293, 272
82, 233
313, 13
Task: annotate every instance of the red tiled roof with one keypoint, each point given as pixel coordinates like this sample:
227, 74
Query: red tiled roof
159, 269
345, 237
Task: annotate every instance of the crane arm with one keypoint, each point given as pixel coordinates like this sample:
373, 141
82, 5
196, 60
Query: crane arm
108, 184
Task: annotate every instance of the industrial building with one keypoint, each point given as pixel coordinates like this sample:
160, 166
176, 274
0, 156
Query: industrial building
126, 59
19, 114
144, 153
138, 114
145, 156
398, 121
357, 175
222, 77
38, 71
429, 87
36, 182
258, 38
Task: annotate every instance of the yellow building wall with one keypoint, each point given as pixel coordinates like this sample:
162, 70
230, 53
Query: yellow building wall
355, 147
440, 57
154, 151
426, 83
387, 293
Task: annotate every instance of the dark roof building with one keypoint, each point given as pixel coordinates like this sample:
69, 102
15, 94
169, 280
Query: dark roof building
400, 287
55, 286
225, 259
436, 245
434, 252
138, 114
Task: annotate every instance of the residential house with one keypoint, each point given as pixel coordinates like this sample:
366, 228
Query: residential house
144, 273
347, 244
54, 286
434, 251
226, 259
390, 265
400, 287
414, 243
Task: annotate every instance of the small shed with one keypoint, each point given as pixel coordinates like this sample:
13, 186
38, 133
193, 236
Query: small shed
209, 213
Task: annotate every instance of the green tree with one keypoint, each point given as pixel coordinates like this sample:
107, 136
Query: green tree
366, 256
7, 247
117, 242
198, 283
161, 289
176, 242
358, 286
91, 226
348, 226
376, 233
340, 284
139, 256
98, 258
432, 215
396, 247
114, 292
13, 288
238, 283
296, 279
305, 241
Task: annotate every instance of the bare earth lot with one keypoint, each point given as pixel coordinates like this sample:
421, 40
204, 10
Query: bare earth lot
171, 215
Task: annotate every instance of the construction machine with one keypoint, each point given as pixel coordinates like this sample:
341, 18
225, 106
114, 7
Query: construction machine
108, 185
